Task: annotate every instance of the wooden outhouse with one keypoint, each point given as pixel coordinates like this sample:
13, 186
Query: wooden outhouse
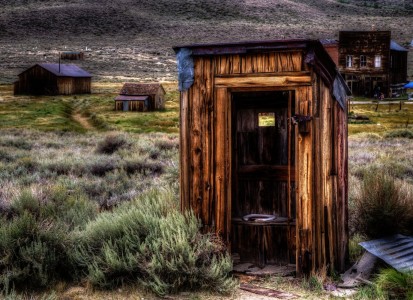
140, 97
263, 157
53, 79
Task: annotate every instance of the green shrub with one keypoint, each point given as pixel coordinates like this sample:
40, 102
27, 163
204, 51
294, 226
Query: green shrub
355, 250
143, 166
383, 206
101, 167
399, 133
166, 144
111, 143
33, 251
148, 240
35, 239
395, 284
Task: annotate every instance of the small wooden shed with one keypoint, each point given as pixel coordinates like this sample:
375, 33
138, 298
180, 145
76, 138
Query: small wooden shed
53, 79
140, 97
72, 55
263, 157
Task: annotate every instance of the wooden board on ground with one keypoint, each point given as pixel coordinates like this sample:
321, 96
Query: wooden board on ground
250, 269
267, 292
360, 272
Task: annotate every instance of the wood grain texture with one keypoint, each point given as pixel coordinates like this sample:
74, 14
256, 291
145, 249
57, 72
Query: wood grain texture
221, 182
263, 81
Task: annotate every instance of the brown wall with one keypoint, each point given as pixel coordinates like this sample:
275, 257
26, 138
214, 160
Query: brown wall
363, 80
36, 81
332, 50
132, 106
320, 156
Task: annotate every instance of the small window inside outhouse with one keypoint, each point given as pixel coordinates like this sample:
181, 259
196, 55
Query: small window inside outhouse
266, 119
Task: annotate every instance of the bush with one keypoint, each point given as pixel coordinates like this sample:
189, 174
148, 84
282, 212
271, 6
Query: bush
101, 167
383, 206
399, 133
111, 144
149, 241
34, 239
395, 284
143, 166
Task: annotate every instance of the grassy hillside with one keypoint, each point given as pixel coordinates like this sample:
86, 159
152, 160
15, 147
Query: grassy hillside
132, 39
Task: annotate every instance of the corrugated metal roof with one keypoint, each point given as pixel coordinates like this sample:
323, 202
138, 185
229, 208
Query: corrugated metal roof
396, 250
396, 47
140, 89
131, 98
65, 70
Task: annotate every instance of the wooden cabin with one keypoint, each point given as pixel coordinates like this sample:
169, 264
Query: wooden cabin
263, 150
371, 62
72, 55
140, 97
53, 79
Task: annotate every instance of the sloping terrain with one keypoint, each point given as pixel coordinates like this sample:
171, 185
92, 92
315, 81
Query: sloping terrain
133, 38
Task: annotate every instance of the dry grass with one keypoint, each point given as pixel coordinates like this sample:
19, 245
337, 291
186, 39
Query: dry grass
133, 41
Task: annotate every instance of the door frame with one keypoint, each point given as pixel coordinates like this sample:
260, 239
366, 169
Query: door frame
233, 117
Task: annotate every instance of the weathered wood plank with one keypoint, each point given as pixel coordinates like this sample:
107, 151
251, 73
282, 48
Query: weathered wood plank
206, 94
221, 111
262, 81
266, 74
268, 292
184, 151
196, 146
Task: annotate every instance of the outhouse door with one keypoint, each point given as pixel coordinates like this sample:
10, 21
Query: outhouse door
125, 105
263, 195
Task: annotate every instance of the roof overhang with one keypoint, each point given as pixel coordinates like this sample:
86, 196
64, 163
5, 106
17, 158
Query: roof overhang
315, 56
131, 98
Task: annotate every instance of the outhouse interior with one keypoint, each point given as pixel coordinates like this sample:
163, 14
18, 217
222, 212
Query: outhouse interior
263, 150
263, 177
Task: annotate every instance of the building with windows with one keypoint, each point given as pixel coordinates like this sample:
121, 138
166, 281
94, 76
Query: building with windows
371, 62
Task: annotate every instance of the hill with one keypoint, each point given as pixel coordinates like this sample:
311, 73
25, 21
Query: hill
133, 38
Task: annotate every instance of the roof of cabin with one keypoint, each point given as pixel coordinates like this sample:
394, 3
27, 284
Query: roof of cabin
396, 47
65, 70
139, 89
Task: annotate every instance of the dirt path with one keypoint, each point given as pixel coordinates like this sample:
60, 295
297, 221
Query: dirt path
84, 122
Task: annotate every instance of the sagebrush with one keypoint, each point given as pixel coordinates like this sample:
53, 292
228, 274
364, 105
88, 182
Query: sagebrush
150, 241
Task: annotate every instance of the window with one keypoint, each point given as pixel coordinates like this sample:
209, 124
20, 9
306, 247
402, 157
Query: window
266, 119
377, 61
363, 61
349, 61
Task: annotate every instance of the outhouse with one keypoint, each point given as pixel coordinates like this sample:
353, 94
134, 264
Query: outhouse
263, 150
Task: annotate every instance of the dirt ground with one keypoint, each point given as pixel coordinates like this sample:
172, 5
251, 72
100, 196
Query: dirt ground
128, 40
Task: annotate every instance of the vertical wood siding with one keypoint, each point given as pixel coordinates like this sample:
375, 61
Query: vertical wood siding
320, 235
39, 81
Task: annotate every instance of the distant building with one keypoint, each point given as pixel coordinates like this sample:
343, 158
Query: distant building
140, 97
371, 63
72, 55
331, 46
53, 79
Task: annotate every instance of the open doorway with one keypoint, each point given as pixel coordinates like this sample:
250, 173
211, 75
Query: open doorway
263, 176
